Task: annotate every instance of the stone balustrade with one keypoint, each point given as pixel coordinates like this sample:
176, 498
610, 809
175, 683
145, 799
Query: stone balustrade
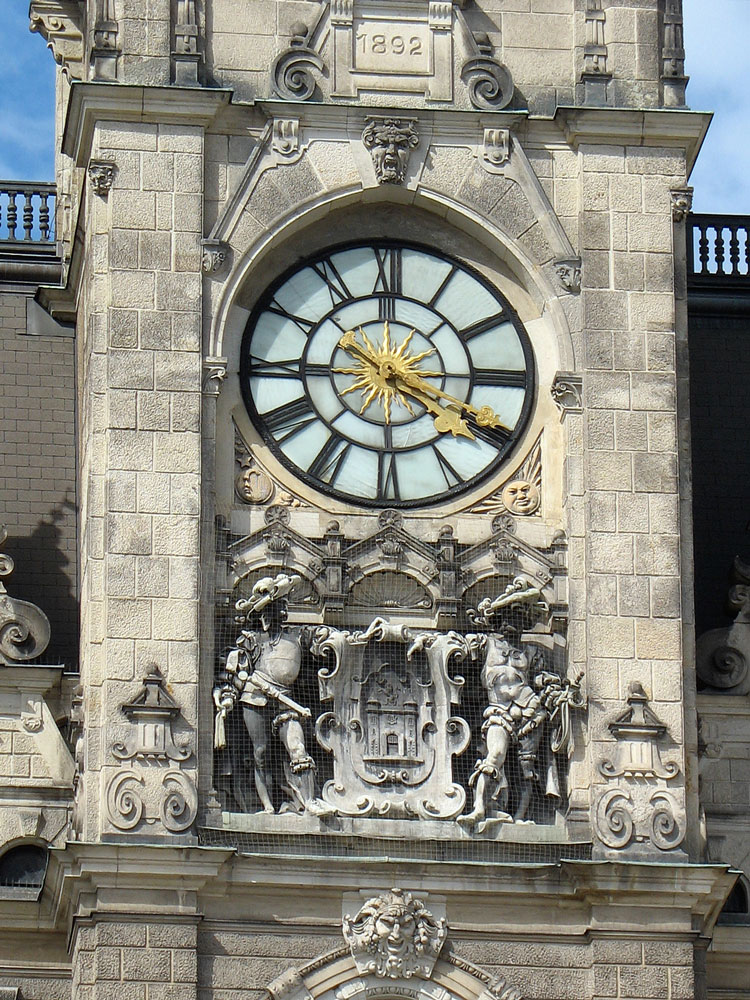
27, 212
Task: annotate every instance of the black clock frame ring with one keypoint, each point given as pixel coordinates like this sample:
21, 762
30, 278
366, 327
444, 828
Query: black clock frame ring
528, 382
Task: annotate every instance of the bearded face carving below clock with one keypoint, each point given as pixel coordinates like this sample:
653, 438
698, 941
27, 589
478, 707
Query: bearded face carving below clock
387, 375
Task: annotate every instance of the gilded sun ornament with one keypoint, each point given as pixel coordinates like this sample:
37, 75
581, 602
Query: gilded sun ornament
388, 372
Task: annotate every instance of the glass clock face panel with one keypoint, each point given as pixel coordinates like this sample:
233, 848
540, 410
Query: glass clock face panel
386, 374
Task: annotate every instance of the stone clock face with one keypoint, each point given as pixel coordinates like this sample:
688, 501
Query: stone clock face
386, 374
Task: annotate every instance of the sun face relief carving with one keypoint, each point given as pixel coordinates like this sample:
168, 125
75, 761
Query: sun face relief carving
387, 375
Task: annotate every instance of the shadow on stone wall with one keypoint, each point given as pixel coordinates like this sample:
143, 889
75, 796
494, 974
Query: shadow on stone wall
45, 573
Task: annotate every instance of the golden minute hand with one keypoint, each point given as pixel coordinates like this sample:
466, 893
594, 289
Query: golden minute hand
485, 415
445, 419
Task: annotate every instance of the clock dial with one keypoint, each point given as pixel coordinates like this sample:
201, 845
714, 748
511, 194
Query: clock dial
386, 374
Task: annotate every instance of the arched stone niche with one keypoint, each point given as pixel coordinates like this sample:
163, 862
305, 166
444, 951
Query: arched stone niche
335, 977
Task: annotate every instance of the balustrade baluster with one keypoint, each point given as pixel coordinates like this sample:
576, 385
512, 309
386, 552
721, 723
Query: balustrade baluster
28, 215
12, 214
703, 248
719, 248
43, 217
734, 251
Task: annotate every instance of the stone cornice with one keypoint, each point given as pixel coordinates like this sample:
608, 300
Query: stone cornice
668, 127
94, 878
92, 102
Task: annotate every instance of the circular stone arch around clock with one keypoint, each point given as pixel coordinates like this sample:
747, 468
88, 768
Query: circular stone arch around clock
335, 976
432, 218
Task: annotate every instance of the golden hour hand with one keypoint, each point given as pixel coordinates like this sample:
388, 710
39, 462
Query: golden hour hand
388, 372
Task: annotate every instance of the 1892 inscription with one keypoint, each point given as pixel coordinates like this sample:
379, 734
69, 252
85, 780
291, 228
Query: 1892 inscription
390, 47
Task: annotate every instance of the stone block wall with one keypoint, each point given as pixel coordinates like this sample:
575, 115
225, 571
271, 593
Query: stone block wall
141, 387
38, 478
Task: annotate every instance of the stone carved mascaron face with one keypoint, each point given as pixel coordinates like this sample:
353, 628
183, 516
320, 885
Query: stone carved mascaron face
390, 140
394, 936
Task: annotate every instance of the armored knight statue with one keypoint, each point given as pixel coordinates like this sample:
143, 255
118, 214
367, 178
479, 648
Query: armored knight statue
259, 674
528, 706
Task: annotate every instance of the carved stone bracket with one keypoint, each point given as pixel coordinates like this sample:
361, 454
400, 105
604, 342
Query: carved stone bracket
214, 373
569, 274
495, 150
292, 71
285, 141
567, 392
60, 23
489, 82
723, 654
640, 813
102, 176
215, 257
682, 203
370, 936
24, 628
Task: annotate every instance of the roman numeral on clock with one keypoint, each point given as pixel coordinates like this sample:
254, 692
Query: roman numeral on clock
336, 286
450, 475
482, 326
327, 463
305, 325
289, 419
500, 377
387, 477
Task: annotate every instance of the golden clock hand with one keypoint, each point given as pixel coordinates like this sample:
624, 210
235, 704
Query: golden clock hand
486, 416
445, 419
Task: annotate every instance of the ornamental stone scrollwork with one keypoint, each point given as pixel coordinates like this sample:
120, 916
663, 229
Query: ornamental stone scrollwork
390, 141
251, 484
489, 82
102, 176
214, 373
569, 274
723, 654
60, 23
215, 257
567, 392
640, 812
141, 791
24, 628
292, 72
258, 676
522, 495
682, 203
394, 936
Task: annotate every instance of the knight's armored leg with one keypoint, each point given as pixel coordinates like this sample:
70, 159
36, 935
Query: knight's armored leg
301, 766
488, 778
257, 729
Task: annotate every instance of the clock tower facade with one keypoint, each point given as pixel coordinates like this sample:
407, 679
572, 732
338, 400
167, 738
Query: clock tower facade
387, 678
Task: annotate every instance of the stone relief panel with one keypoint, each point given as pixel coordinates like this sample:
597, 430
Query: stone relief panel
643, 804
384, 722
150, 789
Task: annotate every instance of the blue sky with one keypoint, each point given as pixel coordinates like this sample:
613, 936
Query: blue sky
717, 39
